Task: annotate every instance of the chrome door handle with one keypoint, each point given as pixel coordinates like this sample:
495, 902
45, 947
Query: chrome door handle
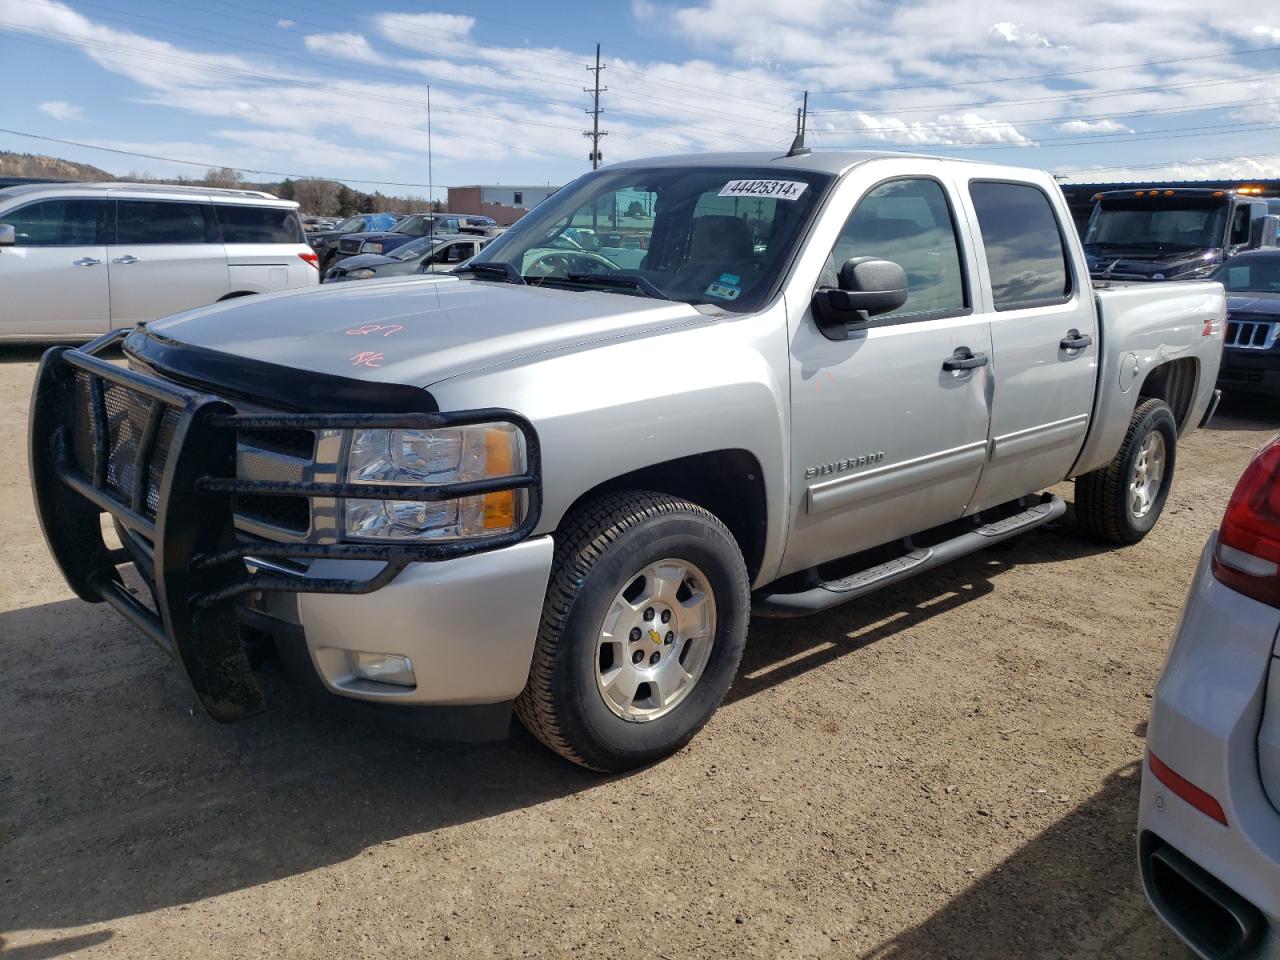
127, 258
86, 262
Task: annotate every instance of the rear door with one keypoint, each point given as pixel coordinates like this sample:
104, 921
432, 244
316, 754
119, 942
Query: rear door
167, 256
1044, 341
53, 280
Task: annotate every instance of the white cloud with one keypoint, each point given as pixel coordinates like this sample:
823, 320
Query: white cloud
1269, 33
352, 46
1011, 32
61, 110
1093, 126
286, 24
966, 128
1240, 168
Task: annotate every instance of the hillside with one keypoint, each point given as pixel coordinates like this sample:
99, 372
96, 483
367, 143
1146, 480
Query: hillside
53, 168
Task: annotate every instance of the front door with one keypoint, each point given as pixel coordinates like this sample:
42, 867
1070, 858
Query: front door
1044, 337
888, 432
53, 280
167, 256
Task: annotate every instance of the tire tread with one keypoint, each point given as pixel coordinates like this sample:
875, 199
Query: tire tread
1099, 495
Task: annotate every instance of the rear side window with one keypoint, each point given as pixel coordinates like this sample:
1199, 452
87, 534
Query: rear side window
244, 224
1025, 253
908, 222
164, 221
55, 223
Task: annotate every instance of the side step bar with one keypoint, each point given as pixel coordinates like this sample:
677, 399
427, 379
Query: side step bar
832, 593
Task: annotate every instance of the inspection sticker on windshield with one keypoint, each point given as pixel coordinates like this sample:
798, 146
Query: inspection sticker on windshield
726, 288
778, 189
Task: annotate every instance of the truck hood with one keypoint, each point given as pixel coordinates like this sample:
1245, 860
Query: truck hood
1266, 305
416, 330
1149, 265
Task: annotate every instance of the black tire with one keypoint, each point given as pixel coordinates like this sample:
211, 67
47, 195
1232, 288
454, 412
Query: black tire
1102, 497
599, 548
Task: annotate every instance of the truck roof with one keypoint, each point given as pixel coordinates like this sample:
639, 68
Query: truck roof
819, 161
1164, 191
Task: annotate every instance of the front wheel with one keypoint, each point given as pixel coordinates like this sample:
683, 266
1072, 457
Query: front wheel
642, 630
1122, 502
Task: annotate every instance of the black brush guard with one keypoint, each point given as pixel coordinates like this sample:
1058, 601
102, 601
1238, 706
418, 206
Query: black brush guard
170, 484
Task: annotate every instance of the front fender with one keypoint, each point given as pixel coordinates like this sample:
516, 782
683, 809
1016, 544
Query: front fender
605, 410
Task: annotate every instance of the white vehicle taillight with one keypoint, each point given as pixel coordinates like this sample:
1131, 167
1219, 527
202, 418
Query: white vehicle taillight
1247, 557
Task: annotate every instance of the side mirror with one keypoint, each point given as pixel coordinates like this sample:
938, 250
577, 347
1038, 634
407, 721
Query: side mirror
8, 236
867, 286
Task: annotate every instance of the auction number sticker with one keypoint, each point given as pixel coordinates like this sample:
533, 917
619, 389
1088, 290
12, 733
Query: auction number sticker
777, 189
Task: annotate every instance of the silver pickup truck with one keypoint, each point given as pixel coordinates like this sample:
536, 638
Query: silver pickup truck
562, 478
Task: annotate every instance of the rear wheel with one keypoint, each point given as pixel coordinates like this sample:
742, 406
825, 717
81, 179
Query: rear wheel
1122, 502
642, 630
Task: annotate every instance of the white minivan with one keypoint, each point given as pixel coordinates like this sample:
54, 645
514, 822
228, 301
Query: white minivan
77, 259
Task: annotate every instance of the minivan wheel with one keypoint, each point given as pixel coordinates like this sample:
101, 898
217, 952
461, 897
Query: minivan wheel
1122, 502
642, 630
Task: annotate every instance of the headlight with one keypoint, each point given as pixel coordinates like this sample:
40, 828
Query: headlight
371, 246
364, 273
422, 457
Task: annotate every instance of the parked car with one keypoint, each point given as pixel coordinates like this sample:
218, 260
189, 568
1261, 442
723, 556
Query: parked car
424, 255
1209, 814
410, 228
77, 259
313, 224
546, 483
1251, 357
325, 242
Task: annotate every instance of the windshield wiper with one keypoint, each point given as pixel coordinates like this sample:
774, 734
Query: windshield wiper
499, 268
633, 280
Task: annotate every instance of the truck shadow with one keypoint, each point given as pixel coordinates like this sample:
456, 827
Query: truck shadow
1072, 891
119, 796
779, 650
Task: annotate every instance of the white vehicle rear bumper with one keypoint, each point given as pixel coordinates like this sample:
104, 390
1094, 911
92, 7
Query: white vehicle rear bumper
1204, 726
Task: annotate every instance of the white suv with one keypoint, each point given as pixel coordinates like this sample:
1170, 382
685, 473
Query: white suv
1209, 816
77, 259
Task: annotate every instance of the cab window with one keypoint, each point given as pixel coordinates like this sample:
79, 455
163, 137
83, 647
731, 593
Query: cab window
164, 221
1025, 253
1239, 226
909, 222
56, 223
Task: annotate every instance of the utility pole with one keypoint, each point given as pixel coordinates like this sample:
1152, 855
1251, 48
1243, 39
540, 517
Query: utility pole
595, 133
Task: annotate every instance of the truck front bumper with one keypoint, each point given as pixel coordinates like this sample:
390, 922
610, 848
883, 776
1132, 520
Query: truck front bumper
160, 460
1249, 371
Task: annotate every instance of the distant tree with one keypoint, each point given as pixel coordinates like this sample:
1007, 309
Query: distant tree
636, 209
285, 190
317, 197
223, 177
347, 200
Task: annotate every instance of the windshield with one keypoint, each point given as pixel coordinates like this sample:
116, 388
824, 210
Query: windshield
1251, 274
415, 226
1189, 224
350, 225
414, 248
701, 235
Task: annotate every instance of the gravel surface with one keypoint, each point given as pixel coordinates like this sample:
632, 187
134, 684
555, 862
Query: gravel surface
947, 769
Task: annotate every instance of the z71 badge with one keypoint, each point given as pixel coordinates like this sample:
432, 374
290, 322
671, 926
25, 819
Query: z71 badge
851, 463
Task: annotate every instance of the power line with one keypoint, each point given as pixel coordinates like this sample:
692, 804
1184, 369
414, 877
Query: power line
1051, 76
595, 133
1076, 95
210, 163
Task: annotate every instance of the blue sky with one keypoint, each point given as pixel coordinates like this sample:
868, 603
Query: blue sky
1136, 88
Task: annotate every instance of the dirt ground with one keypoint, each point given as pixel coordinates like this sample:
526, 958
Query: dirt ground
948, 769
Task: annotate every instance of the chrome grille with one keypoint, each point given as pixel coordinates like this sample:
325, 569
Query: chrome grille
1247, 334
